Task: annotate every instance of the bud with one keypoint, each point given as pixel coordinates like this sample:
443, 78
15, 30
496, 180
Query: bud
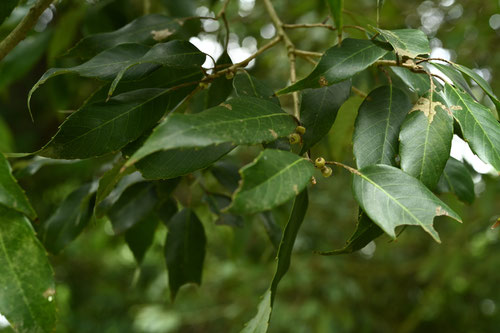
300, 129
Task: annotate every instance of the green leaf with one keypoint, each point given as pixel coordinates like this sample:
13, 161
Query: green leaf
221, 87
418, 83
35, 164
390, 197
273, 178
26, 277
140, 237
336, 7
339, 63
139, 31
288, 240
455, 76
6, 137
365, 232
179, 162
481, 82
241, 120
105, 127
246, 85
11, 194
227, 174
406, 42
425, 139
111, 187
184, 250
479, 127
457, 179
260, 322
69, 220
167, 209
6, 7
216, 202
136, 202
377, 126
318, 111
109, 180
273, 230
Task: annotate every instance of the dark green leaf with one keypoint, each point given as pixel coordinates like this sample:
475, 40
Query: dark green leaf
289, 235
6, 138
481, 82
336, 8
166, 210
242, 120
6, 7
319, 109
216, 202
340, 63
184, 250
273, 178
247, 85
179, 162
227, 174
109, 180
260, 322
273, 230
425, 139
390, 197
479, 127
377, 126
417, 82
140, 237
111, 187
406, 42
101, 128
136, 202
457, 179
221, 87
141, 30
455, 76
69, 220
26, 277
36, 163
11, 194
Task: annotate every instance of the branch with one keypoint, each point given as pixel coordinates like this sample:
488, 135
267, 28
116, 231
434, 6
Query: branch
21, 30
308, 53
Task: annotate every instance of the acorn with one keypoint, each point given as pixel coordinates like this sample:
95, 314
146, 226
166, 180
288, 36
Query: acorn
326, 171
319, 162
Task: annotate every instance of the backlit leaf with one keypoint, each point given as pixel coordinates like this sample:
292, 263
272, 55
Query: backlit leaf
406, 42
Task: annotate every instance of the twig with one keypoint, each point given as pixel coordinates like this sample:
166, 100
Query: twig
348, 168
223, 9
358, 92
321, 25
308, 53
22, 29
420, 60
386, 73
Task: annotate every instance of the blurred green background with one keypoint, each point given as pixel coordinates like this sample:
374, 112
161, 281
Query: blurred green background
409, 285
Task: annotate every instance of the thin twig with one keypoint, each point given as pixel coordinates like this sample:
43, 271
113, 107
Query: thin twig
321, 25
308, 53
358, 92
420, 60
348, 168
223, 9
22, 29
386, 73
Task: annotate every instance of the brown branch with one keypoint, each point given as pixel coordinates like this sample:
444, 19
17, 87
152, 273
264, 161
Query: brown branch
21, 30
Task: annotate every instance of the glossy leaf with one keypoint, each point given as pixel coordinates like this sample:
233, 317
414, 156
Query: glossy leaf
136, 202
418, 83
26, 277
105, 127
288, 240
425, 139
458, 180
37, 163
273, 178
390, 197
241, 120
480, 81
140, 237
340, 63
246, 85
479, 127
407, 42
377, 126
11, 194
184, 250
142, 30
260, 322
6, 7
221, 87
69, 220
318, 111
365, 232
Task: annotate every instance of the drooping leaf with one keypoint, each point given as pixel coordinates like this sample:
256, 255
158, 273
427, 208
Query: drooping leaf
246, 85
455, 76
339, 63
216, 202
273, 178
336, 8
390, 197
406, 42
425, 139
136, 202
479, 127
11, 194
142, 30
221, 87
418, 83
457, 179
111, 187
318, 111
480, 82
6, 7
377, 126
260, 322
140, 237
184, 250
69, 220
105, 127
365, 232
36, 163
26, 277
288, 240
179, 162
241, 120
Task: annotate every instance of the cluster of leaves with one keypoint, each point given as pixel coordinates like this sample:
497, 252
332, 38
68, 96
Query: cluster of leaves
144, 122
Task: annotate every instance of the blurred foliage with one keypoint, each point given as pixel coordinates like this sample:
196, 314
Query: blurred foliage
408, 285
